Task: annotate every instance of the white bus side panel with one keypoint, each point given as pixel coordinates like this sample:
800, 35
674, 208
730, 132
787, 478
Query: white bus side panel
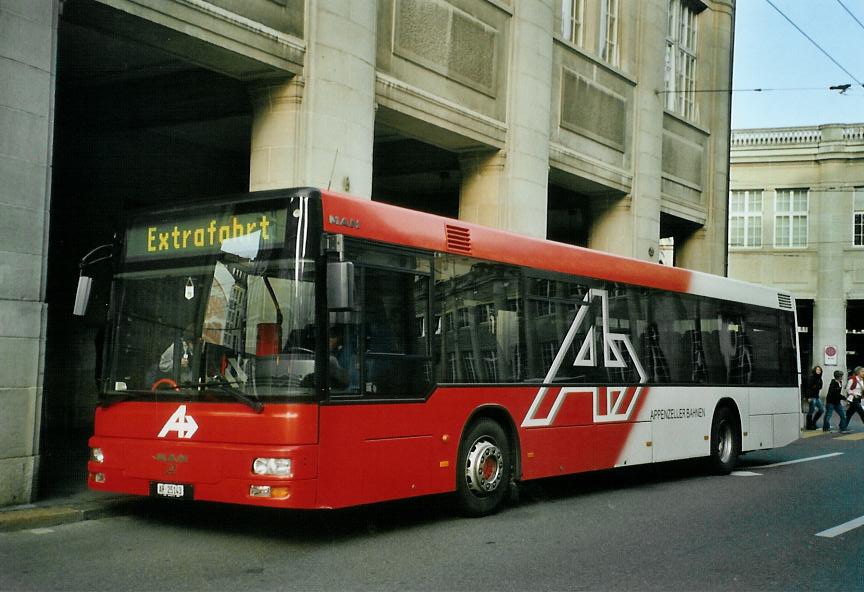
786, 428
680, 419
774, 418
760, 434
675, 422
640, 446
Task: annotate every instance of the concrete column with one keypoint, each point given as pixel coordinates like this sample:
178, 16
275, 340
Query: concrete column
277, 153
706, 250
696, 251
318, 129
509, 189
28, 39
829, 230
483, 188
632, 227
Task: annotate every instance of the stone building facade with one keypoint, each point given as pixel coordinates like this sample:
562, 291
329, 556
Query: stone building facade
796, 222
574, 120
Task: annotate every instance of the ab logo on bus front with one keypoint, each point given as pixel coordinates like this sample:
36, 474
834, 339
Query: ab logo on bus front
184, 425
619, 402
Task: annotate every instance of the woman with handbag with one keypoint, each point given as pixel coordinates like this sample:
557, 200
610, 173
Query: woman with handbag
853, 394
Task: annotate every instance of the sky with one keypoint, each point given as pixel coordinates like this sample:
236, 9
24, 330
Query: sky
770, 53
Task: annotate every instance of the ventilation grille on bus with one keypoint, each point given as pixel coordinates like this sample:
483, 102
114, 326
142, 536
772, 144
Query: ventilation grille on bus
458, 239
785, 301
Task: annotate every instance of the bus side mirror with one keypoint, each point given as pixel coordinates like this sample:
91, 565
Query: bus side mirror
340, 285
85, 282
82, 295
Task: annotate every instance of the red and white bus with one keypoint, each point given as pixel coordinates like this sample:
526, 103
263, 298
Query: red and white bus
305, 349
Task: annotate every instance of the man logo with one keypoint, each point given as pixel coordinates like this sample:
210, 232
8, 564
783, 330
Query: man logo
619, 402
184, 425
344, 221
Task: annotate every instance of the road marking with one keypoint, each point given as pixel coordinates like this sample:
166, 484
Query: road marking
843, 528
852, 437
799, 460
41, 530
813, 433
746, 474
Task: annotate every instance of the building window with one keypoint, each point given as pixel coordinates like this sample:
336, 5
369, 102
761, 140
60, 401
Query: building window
452, 371
680, 75
468, 366
517, 362
790, 218
572, 13
858, 217
449, 322
609, 31
745, 219
464, 317
490, 364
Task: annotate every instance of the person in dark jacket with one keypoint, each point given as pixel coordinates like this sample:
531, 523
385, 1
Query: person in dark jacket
814, 388
833, 402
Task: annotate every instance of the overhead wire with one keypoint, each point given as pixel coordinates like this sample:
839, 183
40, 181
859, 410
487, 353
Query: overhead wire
731, 90
811, 40
855, 18
843, 88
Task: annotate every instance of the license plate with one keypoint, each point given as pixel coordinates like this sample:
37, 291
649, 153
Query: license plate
171, 490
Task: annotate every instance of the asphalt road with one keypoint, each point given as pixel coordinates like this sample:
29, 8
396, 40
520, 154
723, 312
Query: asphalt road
665, 527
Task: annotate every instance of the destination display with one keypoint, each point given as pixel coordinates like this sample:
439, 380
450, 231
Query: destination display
240, 233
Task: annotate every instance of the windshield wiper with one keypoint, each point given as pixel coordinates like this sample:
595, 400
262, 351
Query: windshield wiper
109, 398
223, 386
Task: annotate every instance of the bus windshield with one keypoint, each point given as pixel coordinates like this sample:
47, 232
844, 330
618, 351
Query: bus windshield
233, 322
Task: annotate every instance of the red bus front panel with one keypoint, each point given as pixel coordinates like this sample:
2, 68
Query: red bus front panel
208, 446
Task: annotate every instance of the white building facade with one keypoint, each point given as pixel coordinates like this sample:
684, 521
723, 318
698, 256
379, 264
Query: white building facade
796, 221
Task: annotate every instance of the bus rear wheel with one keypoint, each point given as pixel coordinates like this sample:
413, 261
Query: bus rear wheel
725, 441
484, 468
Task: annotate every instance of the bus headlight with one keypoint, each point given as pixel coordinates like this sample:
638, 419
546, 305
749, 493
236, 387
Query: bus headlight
280, 467
96, 455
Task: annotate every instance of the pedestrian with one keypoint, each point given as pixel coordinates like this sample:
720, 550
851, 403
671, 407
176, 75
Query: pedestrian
833, 402
814, 389
853, 395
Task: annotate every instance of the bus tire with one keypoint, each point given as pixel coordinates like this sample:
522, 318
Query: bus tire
484, 468
725, 441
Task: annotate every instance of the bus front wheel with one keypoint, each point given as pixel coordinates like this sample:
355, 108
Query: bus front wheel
725, 441
484, 468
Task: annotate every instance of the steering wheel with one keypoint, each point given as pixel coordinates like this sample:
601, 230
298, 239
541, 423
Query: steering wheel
298, 350
164, 382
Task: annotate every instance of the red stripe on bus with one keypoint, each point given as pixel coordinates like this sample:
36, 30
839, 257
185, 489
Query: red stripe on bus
391, 224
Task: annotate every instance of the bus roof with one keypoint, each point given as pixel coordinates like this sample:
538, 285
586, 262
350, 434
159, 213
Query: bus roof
387, 223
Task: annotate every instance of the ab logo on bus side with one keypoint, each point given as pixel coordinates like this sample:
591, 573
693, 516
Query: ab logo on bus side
619, 405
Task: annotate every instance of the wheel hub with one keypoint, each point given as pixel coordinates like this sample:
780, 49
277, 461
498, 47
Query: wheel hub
484, 467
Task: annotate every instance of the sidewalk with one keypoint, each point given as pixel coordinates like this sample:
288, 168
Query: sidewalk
86, 505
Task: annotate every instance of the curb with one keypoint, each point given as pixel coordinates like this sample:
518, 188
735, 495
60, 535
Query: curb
64, 513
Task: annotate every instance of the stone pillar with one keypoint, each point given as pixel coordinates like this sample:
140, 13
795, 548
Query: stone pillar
318, 129
27, 69
277, 140
632, 227
612, 230
830, 232
508, 189
706, 249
